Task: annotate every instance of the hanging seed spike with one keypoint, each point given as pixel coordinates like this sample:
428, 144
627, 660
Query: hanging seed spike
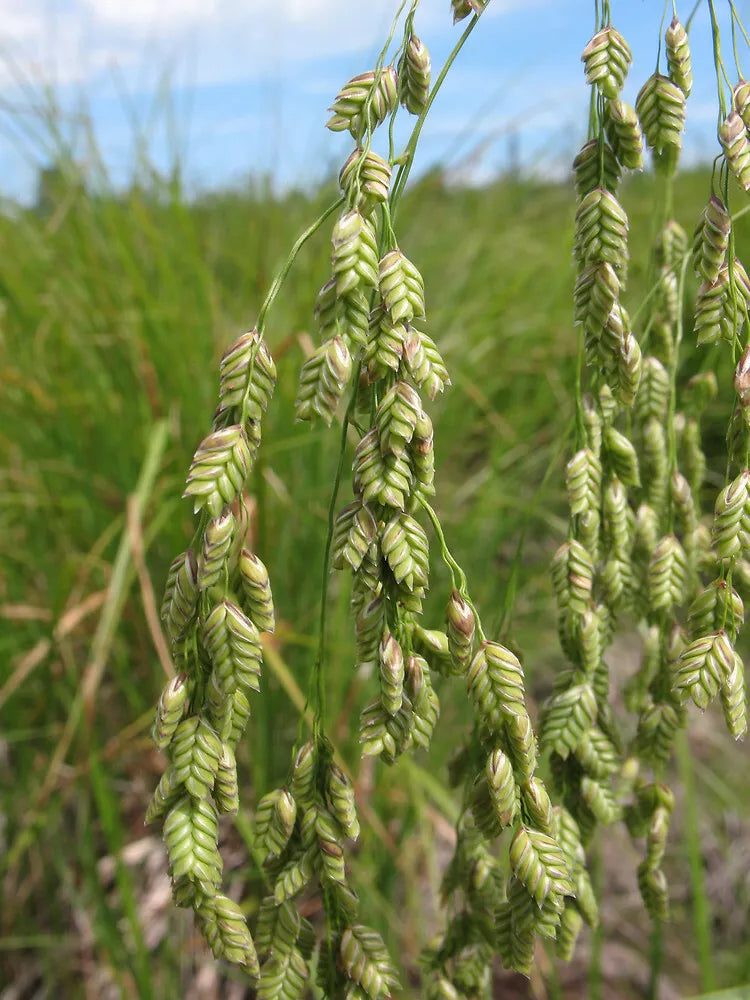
340, 796
369, 632
355, 318
422, 456
678, 56
501, 787
227, 932
184, 601
391, 661
733, 699
405, 549
461, 628
349, 107
424, 363
600, 801
586, 169
396, 418
622, 457
196, 750
566, 719
616, 522
601, 229
333, 867
711, 240
239, 716
277, 928
667, 574
742, 379
234, 645
326, 309
303, 775
323, 380
730, 507
354, 254
401, 287
658, 725
217, 542
414, 76
668, 295
167, 792
218, 470
539, 865
572, 576
425, 702
191, 837
741, 101
374, 175
174, 568
248, 354
537, 805
596, 291
702, 668
386, 345
583, 477
734, 139
606, 59
661, 108
170, 710
365, 960
226, 790
275, 817
597, 754
682, 500
256, 587
355, 529
654, 892
571, 924
653, 397
297, 873
710, 308
624, 133
483, 693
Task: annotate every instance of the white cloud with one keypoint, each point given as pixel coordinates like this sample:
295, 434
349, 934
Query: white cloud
64, 41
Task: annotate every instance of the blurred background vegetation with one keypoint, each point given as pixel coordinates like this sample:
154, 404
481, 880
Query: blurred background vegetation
115, 307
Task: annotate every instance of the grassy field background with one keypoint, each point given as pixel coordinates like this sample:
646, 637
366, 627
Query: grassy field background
114, 310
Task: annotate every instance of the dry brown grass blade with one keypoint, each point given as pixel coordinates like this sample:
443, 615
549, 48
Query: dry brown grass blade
28, 663
72, 618
147, 591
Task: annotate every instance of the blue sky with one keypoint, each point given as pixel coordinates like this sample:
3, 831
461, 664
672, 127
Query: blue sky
240, 87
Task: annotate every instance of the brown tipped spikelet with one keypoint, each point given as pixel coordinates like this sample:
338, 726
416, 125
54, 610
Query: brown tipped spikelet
606, 60
364, 102
678, 56
414, 76
734, 139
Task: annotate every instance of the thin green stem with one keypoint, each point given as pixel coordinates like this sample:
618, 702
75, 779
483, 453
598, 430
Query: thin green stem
661, 33
693, 12
408, 154
656, 959
286, 267
718, 62
737, 23
701, 910
458, 576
